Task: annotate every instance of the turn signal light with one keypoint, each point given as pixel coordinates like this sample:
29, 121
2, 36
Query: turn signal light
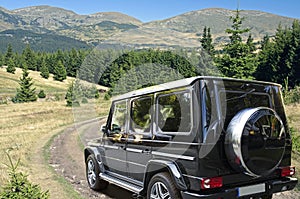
287, 171
210, 183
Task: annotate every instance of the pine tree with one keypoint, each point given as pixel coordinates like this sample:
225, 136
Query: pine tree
238, 60
29, 58
60, 72
8, 54
25, 93
206, 41
11, 66
44, 70
74, 94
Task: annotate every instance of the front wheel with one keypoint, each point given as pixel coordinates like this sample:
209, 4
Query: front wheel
161, 186
92, 174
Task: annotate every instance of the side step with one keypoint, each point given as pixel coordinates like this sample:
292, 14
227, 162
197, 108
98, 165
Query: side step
121, 183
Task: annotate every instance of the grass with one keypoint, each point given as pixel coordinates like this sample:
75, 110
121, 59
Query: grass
293, 114
26, 128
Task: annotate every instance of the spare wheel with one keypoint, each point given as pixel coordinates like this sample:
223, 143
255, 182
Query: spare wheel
255, 141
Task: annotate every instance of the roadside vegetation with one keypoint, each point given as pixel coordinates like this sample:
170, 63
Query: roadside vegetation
25, 128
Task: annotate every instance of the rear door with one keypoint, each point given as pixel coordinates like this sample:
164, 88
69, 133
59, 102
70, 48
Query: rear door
138, 146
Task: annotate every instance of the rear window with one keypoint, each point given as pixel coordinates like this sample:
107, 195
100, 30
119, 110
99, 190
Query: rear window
236, 101
174, 113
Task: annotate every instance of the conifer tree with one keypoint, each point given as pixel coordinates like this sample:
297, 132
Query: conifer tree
8, 54
26, 92
206, 41
29, 58
11, 66
238, 59
60, 72
74, 94
44, 70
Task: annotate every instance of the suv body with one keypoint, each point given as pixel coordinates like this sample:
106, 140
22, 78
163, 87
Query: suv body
200, 137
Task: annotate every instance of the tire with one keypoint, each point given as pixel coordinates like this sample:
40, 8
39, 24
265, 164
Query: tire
255, 141
161, 186
92, 174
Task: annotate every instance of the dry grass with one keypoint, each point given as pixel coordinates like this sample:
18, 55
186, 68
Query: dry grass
26, 128
22, 125
9, 82
293, 113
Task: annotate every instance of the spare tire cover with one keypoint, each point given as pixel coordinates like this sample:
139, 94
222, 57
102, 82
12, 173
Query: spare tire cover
255, 141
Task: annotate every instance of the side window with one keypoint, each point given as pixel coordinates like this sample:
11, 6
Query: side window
118, 122
140, 114
174, 113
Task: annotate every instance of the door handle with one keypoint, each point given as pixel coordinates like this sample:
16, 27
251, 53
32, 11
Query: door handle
147, 151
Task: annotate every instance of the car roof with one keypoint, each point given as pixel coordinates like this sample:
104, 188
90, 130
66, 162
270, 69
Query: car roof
181, 83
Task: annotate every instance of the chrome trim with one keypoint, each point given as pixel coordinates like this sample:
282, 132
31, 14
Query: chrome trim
137, 164
111, 147
107, 157
234, 135
184, 157
121, 183
134, 150
171, 142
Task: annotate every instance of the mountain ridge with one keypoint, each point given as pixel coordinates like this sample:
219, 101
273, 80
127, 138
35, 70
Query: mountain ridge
117, 28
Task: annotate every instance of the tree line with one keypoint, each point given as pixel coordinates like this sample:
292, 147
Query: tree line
275, 58
60, 63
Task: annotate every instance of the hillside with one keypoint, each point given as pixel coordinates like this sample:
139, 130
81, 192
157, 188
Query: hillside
46, 42
10, 82
46, 19
185, 30
113, 28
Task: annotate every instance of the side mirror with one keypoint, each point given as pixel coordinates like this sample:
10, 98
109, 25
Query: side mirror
104, 129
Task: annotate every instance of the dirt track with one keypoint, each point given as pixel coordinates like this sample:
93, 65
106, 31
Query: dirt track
67, 159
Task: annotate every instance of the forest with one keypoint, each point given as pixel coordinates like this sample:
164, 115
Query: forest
276, 58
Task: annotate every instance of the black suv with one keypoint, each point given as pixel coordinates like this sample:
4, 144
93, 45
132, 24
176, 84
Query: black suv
200, 137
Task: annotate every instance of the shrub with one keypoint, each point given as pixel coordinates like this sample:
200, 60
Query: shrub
19, 186
84, 100
292, 96
42, 94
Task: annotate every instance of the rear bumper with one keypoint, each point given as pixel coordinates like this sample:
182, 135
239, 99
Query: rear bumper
270, 188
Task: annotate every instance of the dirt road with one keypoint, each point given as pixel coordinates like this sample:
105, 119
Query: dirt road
67, 160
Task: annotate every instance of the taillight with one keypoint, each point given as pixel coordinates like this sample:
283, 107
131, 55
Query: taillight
210, 183
287, 171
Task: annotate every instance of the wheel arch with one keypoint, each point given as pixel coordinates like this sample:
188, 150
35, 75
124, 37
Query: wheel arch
156, 166
92, 150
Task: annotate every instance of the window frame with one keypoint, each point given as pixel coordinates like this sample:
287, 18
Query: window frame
188, 90
114, 104
130, 114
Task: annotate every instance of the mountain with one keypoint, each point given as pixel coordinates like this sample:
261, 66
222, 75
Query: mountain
185, 29
90, 28
39, 42
113, 28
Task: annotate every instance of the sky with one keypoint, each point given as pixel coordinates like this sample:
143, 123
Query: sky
149, 10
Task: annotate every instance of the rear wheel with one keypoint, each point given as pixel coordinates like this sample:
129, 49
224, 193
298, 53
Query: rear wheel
161, 186
92, 174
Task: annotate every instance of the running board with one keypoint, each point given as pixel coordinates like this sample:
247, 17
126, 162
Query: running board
121, 183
